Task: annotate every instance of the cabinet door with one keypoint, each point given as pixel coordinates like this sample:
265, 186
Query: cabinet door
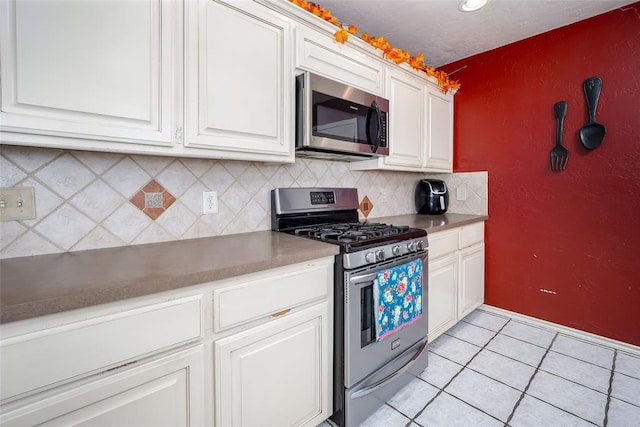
439, 149
321, 54
239, 79
471, 279
89, 69
406, 120
276, 374
443, 294
166, 392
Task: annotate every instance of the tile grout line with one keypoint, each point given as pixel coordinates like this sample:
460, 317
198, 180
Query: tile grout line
515, 407
606, 408
441, 390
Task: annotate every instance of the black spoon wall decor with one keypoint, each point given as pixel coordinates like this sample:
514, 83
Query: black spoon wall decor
593, 132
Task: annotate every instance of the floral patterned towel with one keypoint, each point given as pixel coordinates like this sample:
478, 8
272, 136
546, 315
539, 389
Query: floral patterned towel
397, 294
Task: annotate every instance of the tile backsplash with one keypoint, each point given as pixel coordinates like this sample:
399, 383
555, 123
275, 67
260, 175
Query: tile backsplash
91, 200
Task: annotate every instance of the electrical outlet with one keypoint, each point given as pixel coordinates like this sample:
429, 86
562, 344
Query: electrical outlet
209, 202
17, 203
461, 194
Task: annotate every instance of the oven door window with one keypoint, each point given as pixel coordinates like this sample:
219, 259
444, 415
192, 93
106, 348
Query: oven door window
336, 118
367, 317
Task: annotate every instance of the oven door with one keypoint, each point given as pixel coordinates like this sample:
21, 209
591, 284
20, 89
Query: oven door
363, 354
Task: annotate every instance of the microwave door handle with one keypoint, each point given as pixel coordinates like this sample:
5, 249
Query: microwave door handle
374, 145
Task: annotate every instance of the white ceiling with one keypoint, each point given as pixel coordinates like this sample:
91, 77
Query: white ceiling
443, 34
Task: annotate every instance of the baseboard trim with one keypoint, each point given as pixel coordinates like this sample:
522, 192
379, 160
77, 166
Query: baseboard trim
577, 333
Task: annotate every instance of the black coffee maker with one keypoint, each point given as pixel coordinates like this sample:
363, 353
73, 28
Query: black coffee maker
432, 197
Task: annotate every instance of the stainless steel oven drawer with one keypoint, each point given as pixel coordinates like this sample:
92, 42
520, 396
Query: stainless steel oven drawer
366, 397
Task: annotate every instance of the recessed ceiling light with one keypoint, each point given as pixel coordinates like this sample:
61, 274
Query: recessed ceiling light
471, 5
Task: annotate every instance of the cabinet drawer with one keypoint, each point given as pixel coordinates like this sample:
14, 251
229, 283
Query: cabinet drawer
44, 357
471, 234
270, 293
442, 243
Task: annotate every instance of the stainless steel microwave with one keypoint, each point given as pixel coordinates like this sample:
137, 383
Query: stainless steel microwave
337, 121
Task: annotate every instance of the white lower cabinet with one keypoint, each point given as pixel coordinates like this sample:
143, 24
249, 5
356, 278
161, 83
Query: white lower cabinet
456, 276
443, 294
252, 350
471, 278
168, 391
275, 374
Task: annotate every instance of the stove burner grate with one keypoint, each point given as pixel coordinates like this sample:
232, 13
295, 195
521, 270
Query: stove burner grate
345, 233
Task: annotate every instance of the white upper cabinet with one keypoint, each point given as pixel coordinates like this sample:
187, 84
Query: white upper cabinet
420, 126
95, 70
321, 54
439, 144
198, 78
239, 80
406, 127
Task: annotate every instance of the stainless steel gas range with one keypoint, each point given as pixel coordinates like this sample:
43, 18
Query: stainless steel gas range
380, 324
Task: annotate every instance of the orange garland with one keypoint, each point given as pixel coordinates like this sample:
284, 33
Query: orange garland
391, 53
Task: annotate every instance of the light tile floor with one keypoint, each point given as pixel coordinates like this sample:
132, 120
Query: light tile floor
491, 370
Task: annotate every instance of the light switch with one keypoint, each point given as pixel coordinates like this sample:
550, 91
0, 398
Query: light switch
17, 203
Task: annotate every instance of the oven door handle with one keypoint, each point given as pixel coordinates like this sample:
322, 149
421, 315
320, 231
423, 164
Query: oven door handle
391, 377
363, 278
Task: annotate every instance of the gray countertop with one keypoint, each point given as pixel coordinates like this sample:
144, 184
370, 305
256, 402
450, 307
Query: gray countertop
432, 223
47, 284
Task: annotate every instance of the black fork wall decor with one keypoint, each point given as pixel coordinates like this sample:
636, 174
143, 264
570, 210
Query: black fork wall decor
559, 154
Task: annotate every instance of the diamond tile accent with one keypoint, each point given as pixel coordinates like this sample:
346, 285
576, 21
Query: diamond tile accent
153, 199
365, 206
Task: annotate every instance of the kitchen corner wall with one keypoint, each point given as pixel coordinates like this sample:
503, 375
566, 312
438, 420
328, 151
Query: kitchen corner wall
91, 200
561, 246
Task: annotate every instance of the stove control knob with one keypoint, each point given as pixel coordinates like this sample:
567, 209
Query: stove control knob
411, 246
419, 246
370, 257
397, 251
379, 255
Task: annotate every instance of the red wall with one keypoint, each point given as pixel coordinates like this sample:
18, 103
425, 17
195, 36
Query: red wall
573, 233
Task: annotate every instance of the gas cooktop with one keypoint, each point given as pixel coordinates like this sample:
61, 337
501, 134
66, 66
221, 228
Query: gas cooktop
331, 215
